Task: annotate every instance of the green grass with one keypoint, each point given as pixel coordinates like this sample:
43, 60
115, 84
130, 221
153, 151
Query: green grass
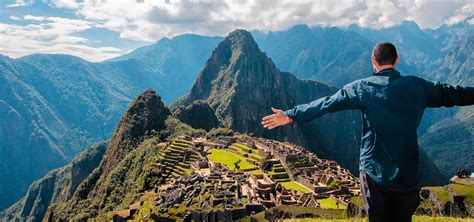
297, 210
243, 146
238, 147
295, 186
464, 190
228, 158
415, 218
441, 193
330, 203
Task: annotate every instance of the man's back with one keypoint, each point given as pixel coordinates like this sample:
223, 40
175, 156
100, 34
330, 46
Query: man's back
392, 107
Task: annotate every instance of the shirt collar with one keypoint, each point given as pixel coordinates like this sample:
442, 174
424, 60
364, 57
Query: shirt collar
387, 72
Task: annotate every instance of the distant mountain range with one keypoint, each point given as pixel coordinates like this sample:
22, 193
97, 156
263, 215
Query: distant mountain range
54, 106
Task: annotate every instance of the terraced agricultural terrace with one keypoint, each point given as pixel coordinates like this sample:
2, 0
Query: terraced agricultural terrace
237, 177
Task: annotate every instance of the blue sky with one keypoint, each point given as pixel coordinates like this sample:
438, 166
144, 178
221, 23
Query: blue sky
101, 29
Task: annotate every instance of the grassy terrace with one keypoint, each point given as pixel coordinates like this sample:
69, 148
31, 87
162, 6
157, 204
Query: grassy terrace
463, 190
330, 203
415, 218
441, 193
295, 186
171, 158
243, 149
297, 210
229, 158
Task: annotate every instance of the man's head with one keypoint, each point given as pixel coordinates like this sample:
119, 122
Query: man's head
384, 55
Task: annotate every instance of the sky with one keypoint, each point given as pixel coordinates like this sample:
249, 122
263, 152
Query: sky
97, 30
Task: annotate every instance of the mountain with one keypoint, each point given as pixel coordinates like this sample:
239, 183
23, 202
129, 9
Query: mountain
173, 63
417, 48
449, 142
240, 83
54, 106
104, 175
198, 115
57, 186
122, 170
451, 35
323, 54
150, 150
337, 56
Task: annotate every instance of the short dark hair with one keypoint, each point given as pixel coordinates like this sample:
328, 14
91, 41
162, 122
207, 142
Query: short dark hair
385, 53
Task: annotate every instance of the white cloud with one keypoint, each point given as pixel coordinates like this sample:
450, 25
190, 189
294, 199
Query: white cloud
149, 20
461, 14
13, 17
20, 3
51, 35
69, 4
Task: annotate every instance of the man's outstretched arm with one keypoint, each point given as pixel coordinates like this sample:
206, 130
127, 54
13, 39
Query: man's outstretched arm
442, 94
345, 98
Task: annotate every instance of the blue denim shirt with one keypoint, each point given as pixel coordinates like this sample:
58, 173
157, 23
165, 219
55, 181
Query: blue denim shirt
392, 107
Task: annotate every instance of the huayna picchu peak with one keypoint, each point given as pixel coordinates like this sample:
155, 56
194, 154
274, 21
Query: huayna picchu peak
146, 114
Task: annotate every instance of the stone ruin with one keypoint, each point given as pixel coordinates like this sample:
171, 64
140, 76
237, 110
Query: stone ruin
213, 192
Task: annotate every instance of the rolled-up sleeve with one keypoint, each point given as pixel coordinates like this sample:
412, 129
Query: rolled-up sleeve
344, 99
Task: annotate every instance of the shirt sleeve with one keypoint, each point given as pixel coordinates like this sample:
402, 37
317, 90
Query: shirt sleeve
441, 94
345, 98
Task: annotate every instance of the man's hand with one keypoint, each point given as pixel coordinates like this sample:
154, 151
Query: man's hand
275, 120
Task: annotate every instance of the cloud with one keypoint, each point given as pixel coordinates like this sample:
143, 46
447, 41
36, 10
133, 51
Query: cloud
149, 20
69, 4
13, 17
461, 14
20, 3
51, 35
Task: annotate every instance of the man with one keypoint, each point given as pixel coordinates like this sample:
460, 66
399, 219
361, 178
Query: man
392, 106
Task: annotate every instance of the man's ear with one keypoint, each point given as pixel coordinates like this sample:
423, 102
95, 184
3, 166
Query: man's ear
396, 60
374, 62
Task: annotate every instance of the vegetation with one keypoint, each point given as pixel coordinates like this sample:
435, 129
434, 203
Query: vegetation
463, 190
415, 218
441, 193
295, 186
296, 211
228, 158
175, 127
219, 132
334, 183
329, 203
136, 173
